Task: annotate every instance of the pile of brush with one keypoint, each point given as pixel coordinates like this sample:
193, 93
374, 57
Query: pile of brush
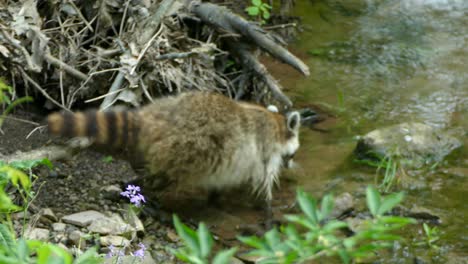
107, 51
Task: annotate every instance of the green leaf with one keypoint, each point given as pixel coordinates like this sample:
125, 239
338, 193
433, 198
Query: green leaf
272, 238
252, 10
333, 225
308, 206
51, 254
257, 2
326, 206
373, 200
225, 256
29, 164
23, 250
6, 238
204, 240
108, 159
19, 176
389, 202
266, 14
344, 256
187, 235
253, 241
90, 256
6, 205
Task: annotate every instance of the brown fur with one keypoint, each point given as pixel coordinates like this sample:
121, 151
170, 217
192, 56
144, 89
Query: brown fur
195, 138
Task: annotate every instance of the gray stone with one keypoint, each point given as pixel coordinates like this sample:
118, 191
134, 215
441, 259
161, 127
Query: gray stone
415, 144
37, 234
235, 261
78, 238
343, 203
83, 219
20, 215
134, 221
110, 225
111, 192
49, 214
172, 236
59, 227
148, 259
117, 241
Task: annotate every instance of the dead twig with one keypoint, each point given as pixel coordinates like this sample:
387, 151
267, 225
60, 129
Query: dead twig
31, 65
38, 87
60, 64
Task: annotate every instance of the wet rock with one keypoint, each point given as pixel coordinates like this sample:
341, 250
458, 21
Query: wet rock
117, 241
172, 236
78, 239
59, 227
416, 144
37, 234
111, 192
131, 259
250, 259
20, 215
343, 204
236, 261
114, 225
82, 219
48, 216
425, 214
134, 221
356, 224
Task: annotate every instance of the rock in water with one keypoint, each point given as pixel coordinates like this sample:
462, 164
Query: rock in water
416, 144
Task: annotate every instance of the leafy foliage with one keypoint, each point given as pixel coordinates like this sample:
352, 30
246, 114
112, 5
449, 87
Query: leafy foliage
259, 9
198, 245
319, 236
13, 250
432, 236
8, 101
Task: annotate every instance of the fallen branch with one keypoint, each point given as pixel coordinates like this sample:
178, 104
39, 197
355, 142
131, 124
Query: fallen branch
50, 152
223, 18
250, 62
60, 64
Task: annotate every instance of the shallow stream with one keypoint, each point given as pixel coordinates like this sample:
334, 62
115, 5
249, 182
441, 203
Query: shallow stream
378, 63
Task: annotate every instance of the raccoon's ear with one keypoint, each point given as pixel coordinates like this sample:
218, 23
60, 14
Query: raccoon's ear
293, 121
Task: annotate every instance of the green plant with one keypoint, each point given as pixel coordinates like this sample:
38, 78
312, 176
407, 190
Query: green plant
432, 236
391, 164
198, 245
20, 250
6, 95
318, 237
260, 10
108, 159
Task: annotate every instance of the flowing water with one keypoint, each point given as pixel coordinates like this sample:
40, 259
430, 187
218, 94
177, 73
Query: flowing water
377, 63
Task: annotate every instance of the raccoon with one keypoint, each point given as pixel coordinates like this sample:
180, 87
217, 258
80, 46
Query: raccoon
196, 139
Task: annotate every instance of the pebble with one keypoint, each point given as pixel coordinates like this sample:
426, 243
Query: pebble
41, 234
117, 241
59, 227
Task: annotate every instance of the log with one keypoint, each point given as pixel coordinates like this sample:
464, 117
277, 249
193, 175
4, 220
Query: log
224, 19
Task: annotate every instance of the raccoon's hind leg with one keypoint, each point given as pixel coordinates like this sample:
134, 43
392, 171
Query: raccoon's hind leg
214, 198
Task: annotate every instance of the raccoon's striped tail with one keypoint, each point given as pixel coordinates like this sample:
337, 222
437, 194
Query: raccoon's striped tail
113, 128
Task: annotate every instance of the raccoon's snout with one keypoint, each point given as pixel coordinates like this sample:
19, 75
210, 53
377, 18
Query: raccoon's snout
288, 160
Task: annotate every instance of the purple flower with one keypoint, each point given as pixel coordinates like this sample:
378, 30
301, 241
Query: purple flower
140, 252
113, 251
133, 193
